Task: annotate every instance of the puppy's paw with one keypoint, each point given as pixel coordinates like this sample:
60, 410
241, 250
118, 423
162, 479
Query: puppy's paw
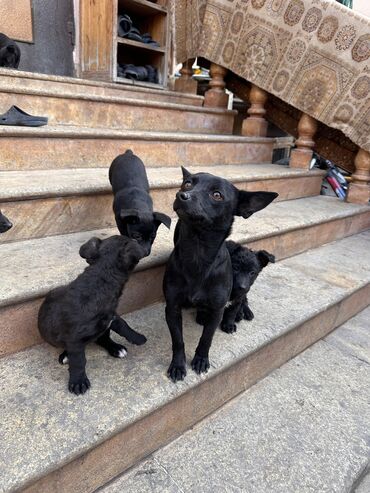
79, 386
176, 371
200, 318
138, 339
229, 328
200, 364
118, 351
247, 313
63, 358
239, 316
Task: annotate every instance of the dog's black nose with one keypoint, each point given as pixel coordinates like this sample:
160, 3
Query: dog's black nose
184, 195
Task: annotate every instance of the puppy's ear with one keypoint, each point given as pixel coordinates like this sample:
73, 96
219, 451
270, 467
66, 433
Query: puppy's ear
90, 250
129, 255
251, 202
161, 218
185, 173
130, 216
265, 257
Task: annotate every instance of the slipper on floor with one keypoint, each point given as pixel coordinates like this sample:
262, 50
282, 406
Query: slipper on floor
16, 116
124, 25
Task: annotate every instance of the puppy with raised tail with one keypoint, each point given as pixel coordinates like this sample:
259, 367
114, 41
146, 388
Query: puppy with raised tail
84, 311
132, 205
199, 271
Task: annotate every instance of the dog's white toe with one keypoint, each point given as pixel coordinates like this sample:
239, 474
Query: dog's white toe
65, 360
122, 353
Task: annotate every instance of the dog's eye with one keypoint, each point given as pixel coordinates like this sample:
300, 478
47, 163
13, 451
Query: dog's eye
252, 273
187, 185
136, 236
217, 195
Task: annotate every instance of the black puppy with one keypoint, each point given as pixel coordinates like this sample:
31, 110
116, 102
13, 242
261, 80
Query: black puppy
246, 265
10, 54
199, 270
5, 224
84, 311
132, 205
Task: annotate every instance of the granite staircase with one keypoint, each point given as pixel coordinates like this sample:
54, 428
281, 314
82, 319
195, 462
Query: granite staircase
54, 187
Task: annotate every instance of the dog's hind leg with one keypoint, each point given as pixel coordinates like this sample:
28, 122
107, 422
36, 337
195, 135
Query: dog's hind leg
200, 363
78, 381
114, 349
122, 328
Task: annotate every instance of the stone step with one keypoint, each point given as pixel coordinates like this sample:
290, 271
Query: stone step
303, 428
72, 200
30, 83
82, 147
86, 110
54, 441
32, 268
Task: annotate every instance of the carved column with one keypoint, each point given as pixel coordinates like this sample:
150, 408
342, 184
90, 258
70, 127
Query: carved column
302, 155
186, 83
216, 96
359, 188
255, 124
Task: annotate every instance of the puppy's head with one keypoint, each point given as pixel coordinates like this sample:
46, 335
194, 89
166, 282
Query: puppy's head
10, 53
118, 251
246, 265
142, 227
211, 201
5, 224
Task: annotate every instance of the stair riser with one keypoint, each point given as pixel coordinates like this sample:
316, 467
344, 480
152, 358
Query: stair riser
98, 114
58, 215
19, 321
50, 153
47, 87
95, 468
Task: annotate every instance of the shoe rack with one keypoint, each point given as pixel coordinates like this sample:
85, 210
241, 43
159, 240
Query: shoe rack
102, 50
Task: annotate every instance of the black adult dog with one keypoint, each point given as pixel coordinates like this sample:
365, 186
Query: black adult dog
199, 270
246, 265
5, 224
84, 311
132, 205
10, 54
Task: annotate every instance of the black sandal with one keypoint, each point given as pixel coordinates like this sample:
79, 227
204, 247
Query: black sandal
17, 117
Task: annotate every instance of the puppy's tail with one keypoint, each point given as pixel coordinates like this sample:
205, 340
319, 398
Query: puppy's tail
123, 329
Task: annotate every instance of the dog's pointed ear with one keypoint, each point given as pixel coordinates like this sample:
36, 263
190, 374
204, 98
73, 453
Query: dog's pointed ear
251, 202
265, 257
162, 219
90, 250
185, 173
130, 216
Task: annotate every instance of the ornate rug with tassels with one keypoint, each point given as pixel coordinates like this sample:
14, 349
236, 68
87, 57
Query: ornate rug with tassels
312, 54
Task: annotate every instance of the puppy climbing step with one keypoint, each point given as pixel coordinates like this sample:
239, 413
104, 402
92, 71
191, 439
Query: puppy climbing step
81, 147
66, 201
31, 268
132, 408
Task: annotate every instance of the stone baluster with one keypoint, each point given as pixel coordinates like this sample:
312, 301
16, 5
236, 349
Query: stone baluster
216, 96
255, 124
186, 83
359, 188
302, 155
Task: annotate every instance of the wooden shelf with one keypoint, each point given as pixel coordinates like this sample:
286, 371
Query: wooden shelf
123, 80
141, 7
142, 46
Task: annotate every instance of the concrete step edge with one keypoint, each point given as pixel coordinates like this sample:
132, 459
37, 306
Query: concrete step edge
48, 181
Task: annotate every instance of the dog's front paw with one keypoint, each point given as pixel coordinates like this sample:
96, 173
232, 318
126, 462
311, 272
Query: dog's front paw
247, 313
228, 327
200, 364
118, 351
79, 385
177, 371
63, 358
138, 339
